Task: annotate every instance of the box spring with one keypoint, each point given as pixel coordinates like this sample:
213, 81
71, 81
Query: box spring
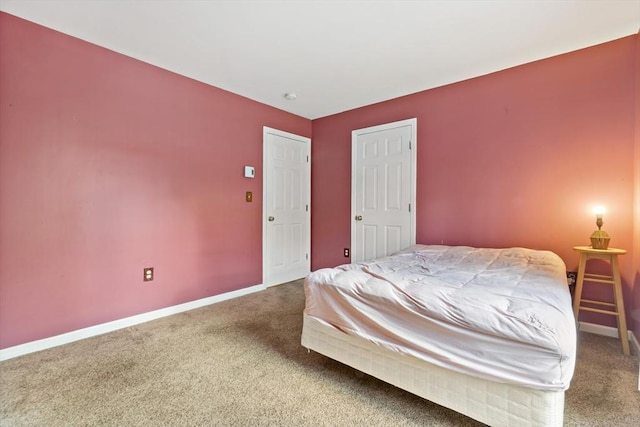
489, 402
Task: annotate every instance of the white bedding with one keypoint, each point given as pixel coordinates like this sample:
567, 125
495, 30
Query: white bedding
503, 315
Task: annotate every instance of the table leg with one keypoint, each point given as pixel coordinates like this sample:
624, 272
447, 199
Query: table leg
579, 282
619, 300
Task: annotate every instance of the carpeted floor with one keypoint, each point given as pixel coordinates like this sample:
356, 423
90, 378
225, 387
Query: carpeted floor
240, 363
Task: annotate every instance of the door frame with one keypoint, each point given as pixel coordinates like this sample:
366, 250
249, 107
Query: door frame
265, 164
413, 122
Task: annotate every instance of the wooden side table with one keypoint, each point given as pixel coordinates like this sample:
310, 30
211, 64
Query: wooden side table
617, 307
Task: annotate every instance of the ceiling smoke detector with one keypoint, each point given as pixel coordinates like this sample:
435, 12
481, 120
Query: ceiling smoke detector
290, 96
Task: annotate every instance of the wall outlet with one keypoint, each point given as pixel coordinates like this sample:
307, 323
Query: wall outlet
572, 276
346, 252
148, 274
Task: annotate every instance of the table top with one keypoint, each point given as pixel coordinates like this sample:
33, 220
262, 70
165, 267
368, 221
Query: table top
609, 251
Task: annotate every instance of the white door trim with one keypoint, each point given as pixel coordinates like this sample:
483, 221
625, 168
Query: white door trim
265, 131
414, 147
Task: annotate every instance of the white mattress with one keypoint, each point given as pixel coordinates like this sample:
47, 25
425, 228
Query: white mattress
498, 314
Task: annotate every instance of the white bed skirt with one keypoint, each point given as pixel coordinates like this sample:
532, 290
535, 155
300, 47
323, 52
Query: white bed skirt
489, 402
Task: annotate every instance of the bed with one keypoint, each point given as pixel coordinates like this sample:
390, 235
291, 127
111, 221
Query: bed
489, 333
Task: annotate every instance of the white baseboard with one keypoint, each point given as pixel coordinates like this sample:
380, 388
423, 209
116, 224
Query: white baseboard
608, 331
43, 344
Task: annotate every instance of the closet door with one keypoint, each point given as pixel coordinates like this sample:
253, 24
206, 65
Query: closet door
286, 208
383, 190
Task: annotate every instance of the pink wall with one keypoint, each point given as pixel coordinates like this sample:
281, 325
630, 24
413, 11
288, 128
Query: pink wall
636, 235
109, 165
514, 158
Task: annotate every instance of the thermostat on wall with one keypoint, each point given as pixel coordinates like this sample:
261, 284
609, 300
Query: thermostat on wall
249, 172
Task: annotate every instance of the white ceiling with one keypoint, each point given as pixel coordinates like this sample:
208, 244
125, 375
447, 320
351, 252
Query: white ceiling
335, 55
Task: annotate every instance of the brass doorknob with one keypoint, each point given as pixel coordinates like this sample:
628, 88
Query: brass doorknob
358, 217
271, 218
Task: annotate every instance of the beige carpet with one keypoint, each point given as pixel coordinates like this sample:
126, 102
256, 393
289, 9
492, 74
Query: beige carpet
240, 363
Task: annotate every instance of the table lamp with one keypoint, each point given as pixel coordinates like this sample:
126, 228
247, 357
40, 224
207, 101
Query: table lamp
599, 238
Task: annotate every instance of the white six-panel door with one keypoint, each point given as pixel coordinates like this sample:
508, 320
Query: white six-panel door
383, 190
286, 207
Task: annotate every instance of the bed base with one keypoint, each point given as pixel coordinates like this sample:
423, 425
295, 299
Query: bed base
489, 402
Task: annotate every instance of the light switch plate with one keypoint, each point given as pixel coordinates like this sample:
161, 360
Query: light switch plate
249, 172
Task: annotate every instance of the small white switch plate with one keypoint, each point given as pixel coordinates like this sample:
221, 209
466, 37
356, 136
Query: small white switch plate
249, 172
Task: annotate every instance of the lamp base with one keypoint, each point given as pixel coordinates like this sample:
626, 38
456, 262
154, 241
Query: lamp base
600, 239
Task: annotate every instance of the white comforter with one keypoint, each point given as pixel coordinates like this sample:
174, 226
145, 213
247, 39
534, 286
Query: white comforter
498, 314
